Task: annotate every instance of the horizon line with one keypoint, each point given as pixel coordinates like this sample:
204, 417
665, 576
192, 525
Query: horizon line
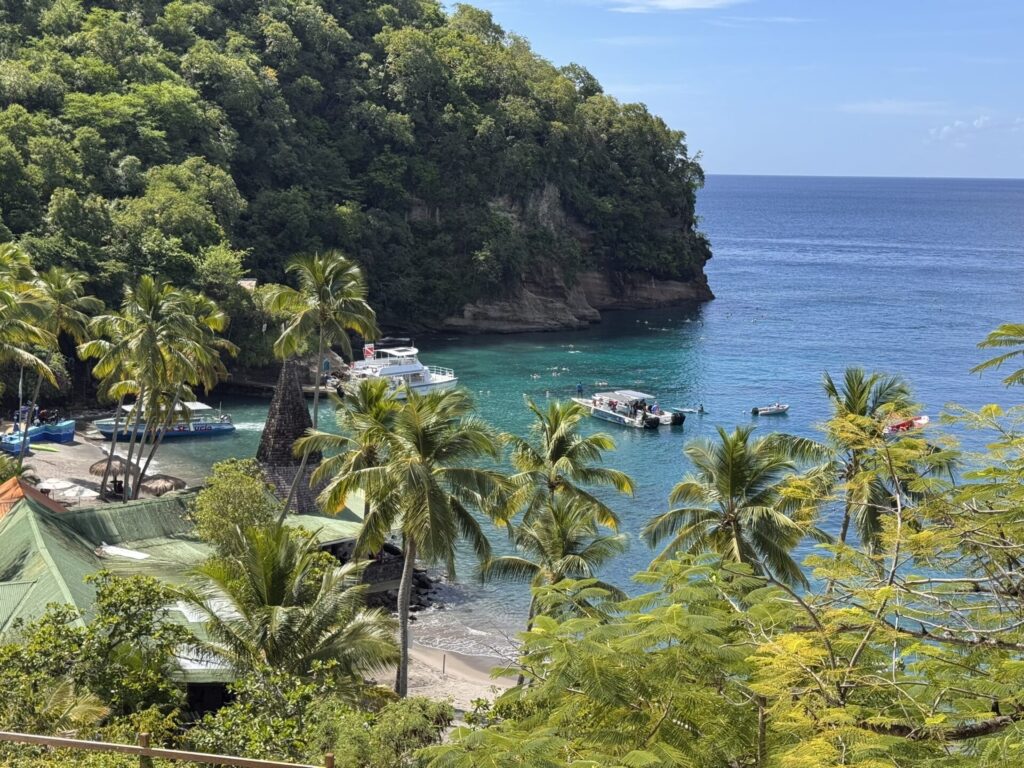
866, 176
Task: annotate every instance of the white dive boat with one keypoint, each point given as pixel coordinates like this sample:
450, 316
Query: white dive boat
191, 420
775, 409
400, 366
630, 409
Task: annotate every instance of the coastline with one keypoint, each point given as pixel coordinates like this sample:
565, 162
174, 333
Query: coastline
458, 677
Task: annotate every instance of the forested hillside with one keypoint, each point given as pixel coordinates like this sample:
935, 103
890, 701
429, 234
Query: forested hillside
201, 140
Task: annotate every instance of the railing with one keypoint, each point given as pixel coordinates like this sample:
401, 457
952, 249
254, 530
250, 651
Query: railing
146, 753
438, 371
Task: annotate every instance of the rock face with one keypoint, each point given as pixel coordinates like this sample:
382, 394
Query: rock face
554, 306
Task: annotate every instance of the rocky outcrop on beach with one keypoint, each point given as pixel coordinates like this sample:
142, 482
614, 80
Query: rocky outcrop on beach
553, 305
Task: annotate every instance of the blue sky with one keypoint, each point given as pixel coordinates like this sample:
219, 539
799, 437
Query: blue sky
832, 87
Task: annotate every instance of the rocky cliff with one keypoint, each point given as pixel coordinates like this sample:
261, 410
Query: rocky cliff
556, 306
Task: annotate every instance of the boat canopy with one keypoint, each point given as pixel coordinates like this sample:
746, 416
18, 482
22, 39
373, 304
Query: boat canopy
188, 406
632, 394
398, 352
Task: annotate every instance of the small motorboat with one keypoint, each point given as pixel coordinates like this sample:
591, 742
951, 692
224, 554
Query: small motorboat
906, 425
630, 409
775, 409
49, 428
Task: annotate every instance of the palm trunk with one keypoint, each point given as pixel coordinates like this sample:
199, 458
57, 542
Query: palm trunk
762, 733
131, 443
23, 449
300, 475
113, 445
529, 625
156, 443
404, 597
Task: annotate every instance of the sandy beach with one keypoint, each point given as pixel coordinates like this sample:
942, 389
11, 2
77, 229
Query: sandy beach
457, 677
69, 462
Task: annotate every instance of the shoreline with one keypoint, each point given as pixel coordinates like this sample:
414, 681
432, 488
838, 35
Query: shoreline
458, 677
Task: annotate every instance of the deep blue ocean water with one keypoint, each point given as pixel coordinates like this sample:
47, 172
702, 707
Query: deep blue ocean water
811, 274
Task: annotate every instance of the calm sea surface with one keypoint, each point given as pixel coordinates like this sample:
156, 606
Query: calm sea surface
811, 274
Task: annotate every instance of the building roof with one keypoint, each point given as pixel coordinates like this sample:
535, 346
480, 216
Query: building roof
42, 561
46, 556
15, 489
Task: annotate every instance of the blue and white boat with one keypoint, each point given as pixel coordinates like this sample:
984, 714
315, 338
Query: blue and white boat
192, 419
630, 409
52, 432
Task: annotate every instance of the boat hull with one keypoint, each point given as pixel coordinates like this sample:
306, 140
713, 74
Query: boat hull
174, 433
398, 391
636, 422
61, 432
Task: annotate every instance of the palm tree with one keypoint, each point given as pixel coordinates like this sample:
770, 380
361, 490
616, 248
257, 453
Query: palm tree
198, 352
427, 488
363, 420
159, 343
558, 460
329, 302
561, 541
861, 406
1006, 335
21, 314
65, 309
734, 504
280, 603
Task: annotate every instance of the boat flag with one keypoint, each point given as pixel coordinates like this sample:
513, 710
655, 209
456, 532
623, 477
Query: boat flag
368, 351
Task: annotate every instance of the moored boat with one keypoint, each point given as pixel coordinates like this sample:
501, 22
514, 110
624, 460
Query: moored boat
905, 425
775, 409
192, 419
400, 366
48, 431
630, 409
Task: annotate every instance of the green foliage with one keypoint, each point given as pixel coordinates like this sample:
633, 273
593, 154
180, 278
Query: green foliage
62, 672
236, 496
276, 717
440, 151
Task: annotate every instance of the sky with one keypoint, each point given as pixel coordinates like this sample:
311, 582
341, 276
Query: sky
830, 87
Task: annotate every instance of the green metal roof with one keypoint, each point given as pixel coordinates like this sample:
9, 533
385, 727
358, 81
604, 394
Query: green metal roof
136, 521
38, 550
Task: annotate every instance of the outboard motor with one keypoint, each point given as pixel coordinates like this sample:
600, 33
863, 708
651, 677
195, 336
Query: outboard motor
651, 422
678, 417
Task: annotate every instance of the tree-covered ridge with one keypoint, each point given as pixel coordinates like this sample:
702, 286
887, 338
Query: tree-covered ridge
190, 139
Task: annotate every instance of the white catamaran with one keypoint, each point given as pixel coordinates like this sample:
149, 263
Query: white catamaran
630, 409
400, 366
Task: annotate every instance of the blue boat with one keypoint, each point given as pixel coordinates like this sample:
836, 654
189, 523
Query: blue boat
193, 421
57, 432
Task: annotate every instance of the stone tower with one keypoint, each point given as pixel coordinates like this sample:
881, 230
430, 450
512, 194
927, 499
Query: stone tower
287, 421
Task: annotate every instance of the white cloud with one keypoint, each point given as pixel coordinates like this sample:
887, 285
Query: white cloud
894, 107
959, 132
650, 6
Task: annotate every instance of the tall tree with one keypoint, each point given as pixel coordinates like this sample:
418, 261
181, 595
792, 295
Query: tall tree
158, 344
557, 459
363, 420
330, 301
734, 504
560, 541
22, 315
427, 488
65, 309
289, 606
863, 402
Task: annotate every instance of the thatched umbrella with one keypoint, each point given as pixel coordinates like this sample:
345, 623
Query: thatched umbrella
158, 485
117, 467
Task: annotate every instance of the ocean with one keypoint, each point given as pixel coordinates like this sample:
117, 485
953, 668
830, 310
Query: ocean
811, 274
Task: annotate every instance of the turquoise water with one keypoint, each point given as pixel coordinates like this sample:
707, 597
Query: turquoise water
811, 274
